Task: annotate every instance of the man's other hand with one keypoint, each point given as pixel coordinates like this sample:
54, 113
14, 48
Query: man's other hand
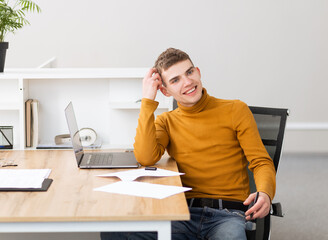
261, 208
151, 83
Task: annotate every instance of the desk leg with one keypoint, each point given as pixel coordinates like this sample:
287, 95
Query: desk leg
164, 231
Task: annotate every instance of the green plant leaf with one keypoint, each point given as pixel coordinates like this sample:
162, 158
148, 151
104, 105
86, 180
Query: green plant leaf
13, 16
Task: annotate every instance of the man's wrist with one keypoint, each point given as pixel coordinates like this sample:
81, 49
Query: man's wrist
149, 103
149, 98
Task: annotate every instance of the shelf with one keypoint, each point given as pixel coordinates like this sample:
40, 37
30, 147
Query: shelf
9, 106
133, 105
74, 73
113, 92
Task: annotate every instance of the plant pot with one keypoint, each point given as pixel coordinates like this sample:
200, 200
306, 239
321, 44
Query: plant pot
3, 50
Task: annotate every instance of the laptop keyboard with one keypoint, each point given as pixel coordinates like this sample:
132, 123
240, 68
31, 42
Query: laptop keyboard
99, 159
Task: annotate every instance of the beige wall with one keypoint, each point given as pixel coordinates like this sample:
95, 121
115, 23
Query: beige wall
270, 53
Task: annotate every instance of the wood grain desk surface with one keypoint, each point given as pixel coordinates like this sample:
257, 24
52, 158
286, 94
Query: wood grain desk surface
71, 196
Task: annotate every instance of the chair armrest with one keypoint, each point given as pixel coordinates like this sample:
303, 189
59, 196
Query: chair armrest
276, 210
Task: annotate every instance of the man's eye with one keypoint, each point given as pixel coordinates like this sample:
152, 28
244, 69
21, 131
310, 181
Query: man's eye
174, 81
190, 71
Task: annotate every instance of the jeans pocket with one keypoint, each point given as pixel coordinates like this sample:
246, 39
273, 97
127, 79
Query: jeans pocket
235, 212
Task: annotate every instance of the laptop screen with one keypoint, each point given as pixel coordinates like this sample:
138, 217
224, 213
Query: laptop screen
74, 132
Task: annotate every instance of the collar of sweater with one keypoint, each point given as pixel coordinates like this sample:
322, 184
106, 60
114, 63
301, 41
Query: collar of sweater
199, 106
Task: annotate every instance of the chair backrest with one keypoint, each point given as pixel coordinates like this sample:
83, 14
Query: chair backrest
271, 123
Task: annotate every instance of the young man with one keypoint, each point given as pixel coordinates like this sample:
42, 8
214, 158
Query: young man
212, 141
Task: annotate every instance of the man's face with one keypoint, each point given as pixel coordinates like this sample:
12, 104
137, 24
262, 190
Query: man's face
183, 82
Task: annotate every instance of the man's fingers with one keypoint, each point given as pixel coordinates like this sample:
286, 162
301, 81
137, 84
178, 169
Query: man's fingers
250, 198
156, 76
253, 209
253, 212
152, 77
151, 72
151, 83
259, 210
260, 213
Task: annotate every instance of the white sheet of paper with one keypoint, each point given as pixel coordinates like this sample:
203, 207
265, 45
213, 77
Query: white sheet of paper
23, 178
131, 175
141, 189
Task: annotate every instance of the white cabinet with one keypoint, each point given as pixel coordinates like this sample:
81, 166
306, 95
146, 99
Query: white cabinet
104, 99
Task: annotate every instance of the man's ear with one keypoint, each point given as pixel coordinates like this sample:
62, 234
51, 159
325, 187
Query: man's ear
198, 71
164, 91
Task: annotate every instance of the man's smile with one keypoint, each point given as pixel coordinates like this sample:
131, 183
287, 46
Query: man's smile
190, 90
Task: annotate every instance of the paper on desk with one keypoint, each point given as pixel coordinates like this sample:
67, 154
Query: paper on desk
23, 178
131, 175
141, 189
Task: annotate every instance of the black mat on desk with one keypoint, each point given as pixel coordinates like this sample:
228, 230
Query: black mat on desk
45, 185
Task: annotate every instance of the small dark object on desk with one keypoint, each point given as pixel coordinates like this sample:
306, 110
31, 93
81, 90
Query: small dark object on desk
9, 165
151, 168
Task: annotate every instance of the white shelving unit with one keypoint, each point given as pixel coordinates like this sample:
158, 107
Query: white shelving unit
135, 105
105, 99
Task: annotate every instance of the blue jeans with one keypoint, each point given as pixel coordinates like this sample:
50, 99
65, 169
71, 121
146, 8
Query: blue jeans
205, 223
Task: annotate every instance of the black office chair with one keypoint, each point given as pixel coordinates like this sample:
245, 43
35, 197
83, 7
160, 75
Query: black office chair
271, 123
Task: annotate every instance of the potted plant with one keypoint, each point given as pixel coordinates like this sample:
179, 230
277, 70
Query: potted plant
12, 18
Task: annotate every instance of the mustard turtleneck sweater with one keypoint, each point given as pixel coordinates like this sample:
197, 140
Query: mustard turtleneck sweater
212, 143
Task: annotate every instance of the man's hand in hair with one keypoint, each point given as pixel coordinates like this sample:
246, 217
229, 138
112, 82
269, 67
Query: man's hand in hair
151, 83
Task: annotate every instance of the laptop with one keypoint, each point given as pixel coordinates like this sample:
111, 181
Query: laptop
95, 159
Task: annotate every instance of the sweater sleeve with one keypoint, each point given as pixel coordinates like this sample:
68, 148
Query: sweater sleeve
250, 141
150, 141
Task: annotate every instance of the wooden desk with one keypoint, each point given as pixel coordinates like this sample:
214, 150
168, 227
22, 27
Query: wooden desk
71, 205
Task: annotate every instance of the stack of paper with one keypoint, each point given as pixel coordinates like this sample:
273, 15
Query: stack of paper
23, 178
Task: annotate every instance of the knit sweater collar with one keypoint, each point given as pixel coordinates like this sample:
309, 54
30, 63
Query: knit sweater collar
199, 106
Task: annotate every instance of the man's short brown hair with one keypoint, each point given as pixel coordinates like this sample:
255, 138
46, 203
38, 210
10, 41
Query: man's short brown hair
170, 57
